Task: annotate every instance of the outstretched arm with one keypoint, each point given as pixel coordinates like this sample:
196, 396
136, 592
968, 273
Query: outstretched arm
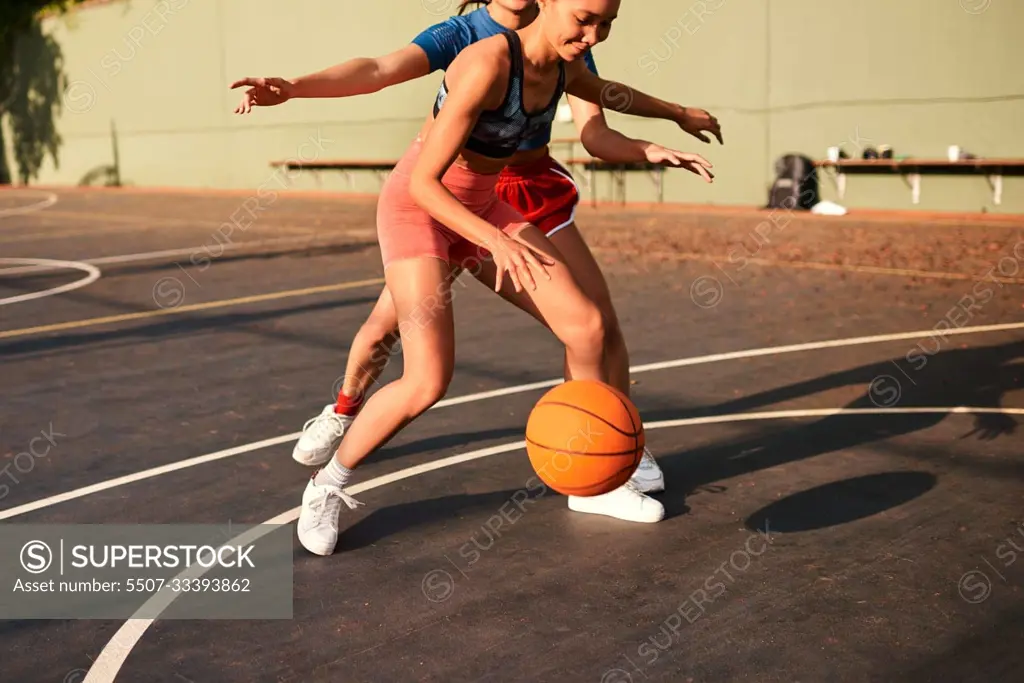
358, 76
597, 138
434, 48
364, 75
587, 86
606, 143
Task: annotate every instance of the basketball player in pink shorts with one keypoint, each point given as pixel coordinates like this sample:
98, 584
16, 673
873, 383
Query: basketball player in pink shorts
537, 186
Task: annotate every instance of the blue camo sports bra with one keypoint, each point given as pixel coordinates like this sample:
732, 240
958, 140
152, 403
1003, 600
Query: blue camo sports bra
498, 133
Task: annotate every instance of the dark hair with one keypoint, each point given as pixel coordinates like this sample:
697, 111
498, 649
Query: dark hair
467, 3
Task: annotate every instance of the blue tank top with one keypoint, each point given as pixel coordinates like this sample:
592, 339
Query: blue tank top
498, 133
444, 41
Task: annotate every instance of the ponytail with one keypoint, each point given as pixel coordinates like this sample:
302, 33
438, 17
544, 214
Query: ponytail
467, 3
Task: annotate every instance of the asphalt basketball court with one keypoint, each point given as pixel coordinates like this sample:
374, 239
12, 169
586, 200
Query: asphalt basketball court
835, 403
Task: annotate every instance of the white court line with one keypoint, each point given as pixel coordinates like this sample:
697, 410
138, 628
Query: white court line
749, 353
144, 474
153, 255
120, 645
92, 273
480, 396
812, 346
50, 200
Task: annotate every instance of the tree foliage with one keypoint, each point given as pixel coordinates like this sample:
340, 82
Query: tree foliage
16, 19
31, 84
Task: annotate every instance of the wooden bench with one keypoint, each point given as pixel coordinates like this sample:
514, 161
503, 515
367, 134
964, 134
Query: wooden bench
570, 144
618, 171
912, 169
381, 166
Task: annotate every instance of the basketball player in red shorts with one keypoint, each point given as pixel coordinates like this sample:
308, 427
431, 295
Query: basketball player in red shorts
543, 191
534, 183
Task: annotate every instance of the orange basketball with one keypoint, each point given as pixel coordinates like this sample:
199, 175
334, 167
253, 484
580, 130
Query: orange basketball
584, 438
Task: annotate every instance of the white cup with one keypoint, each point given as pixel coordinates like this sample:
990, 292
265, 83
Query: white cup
833, 154
954, 152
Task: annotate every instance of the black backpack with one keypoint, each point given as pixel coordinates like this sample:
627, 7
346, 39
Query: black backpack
796, 184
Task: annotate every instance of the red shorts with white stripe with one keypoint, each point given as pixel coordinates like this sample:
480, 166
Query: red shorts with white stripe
543, 191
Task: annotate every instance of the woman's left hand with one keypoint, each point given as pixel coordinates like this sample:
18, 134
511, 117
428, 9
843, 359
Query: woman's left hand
695, 163
695, 121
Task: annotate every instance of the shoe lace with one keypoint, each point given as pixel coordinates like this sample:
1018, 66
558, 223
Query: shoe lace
351, 502
329, 502
646, 460
629, 485
324, 426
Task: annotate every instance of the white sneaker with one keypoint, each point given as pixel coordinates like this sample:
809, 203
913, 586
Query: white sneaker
648, 477
319, 437
626, 502
318, 517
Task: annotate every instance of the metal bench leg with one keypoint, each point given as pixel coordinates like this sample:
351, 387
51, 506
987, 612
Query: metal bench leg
995, 181
915, 178
658, 176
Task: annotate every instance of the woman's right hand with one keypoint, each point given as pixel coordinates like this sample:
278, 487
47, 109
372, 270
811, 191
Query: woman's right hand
518, 258
262, 92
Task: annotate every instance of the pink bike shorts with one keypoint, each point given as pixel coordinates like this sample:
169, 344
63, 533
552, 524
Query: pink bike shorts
404, 230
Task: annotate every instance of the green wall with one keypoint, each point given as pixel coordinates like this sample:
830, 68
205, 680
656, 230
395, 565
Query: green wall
782, 76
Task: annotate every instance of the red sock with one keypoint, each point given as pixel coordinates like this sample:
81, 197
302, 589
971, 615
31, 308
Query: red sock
348, 405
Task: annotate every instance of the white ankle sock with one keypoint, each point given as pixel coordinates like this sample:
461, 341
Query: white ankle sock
335, 474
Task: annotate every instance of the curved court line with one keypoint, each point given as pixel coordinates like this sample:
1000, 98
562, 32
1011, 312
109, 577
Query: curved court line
92, 273
50, 200
165, 253
220, 303
479, 396
120, 645
62, 234
835, 343
144, 474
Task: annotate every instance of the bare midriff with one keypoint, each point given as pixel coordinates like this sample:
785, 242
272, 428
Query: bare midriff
484, 165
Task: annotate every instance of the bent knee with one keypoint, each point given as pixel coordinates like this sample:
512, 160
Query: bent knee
585, 330
598, 293
429, 390
609, 319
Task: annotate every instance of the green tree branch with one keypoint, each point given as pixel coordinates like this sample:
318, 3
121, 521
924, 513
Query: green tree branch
19, 21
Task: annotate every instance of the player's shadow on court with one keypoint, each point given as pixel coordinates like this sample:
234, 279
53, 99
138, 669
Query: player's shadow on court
840, 502
976, 377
